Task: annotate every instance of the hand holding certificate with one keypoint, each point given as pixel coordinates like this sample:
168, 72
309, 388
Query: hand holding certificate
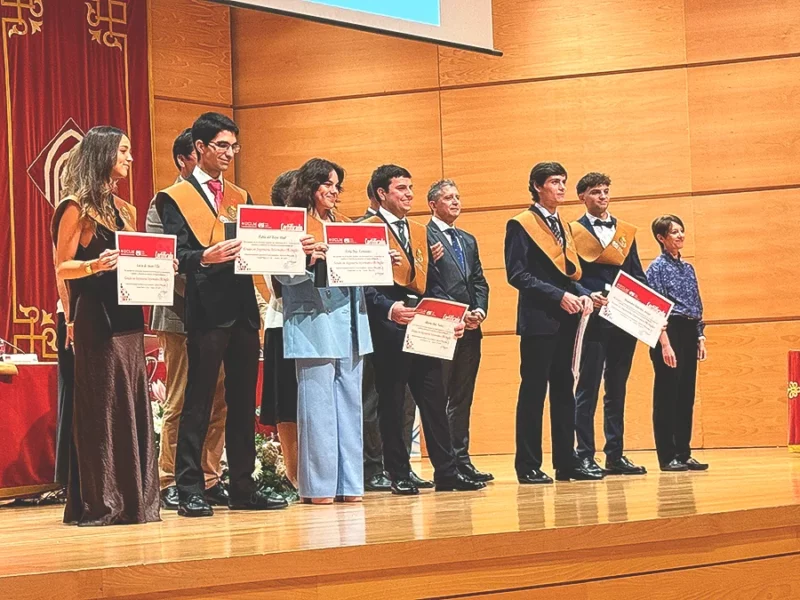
270, 237
145, 269
636, 309
432, 330
358, 254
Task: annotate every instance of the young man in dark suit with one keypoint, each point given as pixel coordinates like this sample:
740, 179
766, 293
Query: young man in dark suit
390, 311
542, 264
456, 274
606, 245
222, 320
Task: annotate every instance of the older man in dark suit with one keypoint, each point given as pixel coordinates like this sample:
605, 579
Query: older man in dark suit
457, 275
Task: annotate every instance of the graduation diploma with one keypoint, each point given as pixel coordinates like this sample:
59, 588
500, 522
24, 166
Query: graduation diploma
636, 309
145, 270
432, 330
358, 254
270, 237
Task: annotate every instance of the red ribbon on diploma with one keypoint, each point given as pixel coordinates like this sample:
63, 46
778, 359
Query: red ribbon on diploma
793, 397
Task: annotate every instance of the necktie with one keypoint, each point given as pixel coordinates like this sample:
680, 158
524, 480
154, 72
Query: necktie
599, 223
457, 249
401, 232
552, 222
215, 185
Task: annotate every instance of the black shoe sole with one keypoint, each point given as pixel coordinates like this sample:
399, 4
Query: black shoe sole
568, 478
405, 493
381, 489
195, 514
452, 488
608, 472
666, 470
254, 508
539, 482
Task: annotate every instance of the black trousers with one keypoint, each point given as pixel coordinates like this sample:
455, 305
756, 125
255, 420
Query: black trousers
373, 445
607, 354
459, 380
237, 347
66, 387
546, 360
674, 390
394, 370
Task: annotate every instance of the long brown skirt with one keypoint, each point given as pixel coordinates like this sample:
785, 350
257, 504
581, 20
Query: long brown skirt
113, 477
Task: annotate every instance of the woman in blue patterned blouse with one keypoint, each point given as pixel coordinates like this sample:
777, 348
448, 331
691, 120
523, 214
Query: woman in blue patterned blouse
681, 345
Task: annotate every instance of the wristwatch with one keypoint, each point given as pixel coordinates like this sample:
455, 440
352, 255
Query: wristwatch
88, 267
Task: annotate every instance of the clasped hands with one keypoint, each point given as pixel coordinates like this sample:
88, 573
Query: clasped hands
582, 304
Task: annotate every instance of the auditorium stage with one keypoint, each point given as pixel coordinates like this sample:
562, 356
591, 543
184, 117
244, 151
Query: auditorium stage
732, 532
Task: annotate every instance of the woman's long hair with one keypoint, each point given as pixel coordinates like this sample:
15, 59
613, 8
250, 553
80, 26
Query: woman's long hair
87, 171
307, 180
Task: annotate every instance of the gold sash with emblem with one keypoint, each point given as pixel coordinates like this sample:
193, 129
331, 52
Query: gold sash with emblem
408, 274
534, 225
207, 227
591, 250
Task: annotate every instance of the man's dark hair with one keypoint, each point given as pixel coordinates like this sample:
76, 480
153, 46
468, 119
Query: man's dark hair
591, 180
662, 224
307, 180
371, 192
541, 172
280, 189
182, 146
209, 124
383, 175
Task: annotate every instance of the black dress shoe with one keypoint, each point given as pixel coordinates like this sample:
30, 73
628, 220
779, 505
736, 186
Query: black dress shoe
418, 481
470, 471
404, 487
623, 466
579, 473
458, 483
259, 501
675, 465
590, 464
217, 495
195, 505
534, 477
378, 483
694, 465
169, 498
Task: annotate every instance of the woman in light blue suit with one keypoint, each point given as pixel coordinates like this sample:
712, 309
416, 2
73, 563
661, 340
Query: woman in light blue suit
326, 331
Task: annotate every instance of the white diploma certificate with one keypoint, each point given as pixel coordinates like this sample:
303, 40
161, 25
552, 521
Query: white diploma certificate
432, 330
358, 254
270, 237
636, 309
145, 269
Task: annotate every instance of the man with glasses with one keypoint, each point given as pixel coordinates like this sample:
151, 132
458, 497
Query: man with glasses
222, 320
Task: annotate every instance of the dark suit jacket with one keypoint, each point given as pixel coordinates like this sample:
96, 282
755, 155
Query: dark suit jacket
215, 295
448, 280
596, 276
541, 285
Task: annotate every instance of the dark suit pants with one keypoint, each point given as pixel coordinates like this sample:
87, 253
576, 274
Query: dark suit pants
673, 392
608, 355
394, 369
237, 347
459, 376
546, 359
373, 445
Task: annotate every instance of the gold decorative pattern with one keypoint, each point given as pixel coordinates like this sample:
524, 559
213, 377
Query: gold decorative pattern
793, 390
19, 25
45, 339
115, 13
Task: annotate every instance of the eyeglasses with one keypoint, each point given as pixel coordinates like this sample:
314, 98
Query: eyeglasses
223, 147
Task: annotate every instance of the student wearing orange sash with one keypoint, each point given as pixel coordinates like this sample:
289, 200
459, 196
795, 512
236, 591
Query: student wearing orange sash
542, 264
222, 320
606, 245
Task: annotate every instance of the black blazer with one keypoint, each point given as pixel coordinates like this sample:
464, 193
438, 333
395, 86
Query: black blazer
215, 295
448, 280
541, 285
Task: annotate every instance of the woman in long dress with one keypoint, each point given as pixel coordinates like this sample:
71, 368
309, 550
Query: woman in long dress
113, 477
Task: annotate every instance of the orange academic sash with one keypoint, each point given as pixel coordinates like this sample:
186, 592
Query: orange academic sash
534, 225
591, 250
410, 273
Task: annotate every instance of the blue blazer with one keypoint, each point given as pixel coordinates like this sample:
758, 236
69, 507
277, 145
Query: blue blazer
317, 321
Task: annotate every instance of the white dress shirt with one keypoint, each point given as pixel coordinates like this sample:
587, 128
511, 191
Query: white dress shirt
392, 221
203, 178
605, 234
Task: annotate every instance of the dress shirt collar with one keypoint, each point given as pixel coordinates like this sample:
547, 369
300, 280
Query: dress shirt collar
371, 211
441, 224
544, 212
390, 218
671, 258
592, 218
203, 178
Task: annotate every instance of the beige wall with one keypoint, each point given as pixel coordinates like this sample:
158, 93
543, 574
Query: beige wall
689, 107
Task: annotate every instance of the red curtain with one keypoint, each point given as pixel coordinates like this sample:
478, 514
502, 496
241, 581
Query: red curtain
68, 65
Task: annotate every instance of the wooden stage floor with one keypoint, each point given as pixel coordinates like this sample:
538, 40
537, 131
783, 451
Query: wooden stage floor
732, 532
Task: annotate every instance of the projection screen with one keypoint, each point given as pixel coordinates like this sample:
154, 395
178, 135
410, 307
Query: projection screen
463, 24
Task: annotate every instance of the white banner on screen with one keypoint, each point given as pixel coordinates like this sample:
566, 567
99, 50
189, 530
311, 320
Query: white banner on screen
461, 23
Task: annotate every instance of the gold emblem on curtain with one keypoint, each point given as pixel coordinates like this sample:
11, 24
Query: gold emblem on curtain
104, 15
27, 19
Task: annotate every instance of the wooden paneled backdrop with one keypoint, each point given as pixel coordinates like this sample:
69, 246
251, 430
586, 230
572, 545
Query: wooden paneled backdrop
690, 107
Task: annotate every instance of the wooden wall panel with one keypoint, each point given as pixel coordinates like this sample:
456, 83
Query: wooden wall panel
724, 30
551, 38
169, 119
633, 126
281, 59
744, 124
745, 266
359, 134
191, 51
